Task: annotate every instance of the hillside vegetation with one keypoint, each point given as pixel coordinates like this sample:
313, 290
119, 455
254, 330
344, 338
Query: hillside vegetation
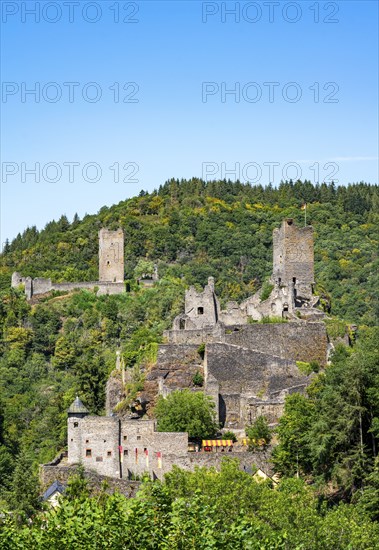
194, 230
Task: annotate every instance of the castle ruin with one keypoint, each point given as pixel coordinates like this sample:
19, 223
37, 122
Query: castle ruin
248, 365
111, 271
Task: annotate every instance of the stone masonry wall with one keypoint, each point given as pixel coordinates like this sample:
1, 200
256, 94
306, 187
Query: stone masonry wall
299, 341
240, 369
49, 474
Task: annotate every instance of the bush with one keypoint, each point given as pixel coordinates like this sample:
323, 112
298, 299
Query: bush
186, 411
198, 379
267, 288
259, 433
230, 435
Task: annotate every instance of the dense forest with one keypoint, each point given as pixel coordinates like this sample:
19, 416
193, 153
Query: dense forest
66, 344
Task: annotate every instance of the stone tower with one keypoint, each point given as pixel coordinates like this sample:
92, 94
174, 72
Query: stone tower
294, 259
75, 413
111, 256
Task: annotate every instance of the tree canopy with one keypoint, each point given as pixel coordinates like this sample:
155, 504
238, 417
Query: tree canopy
187, 411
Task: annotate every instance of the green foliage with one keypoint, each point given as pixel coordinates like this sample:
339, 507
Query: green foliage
143, 268
291, 456
198, 379
259, 432
267, 288
77, 487
304, 367
230, 435
64, 346
273, 320
197, 229
186, 411
335, 328
197, 510
201, 350
333, 434
131, 389
24, 488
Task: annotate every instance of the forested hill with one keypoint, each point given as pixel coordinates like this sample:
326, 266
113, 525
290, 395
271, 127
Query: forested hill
194, 229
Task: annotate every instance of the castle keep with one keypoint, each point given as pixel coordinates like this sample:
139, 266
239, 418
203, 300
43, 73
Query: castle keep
111, 271
111, 256
248, 365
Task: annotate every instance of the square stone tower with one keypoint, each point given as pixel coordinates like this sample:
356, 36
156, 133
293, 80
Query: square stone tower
294, 258
111, 256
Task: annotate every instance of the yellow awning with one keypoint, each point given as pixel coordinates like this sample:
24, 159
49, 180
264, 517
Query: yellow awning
217, 443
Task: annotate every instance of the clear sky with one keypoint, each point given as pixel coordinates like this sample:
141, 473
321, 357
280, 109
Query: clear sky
258, 91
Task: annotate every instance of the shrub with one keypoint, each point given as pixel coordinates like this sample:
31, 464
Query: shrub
186, 411
198, 379
259, 433
266, 320
267, 288
230, 435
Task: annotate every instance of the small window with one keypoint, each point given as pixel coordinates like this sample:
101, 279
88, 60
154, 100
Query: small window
76, 424
138, 437
87, 440
109, 453
200, 311
182, 324
125, 452
125, 437
72, 439
88, 452
144, 449
294, 280
104, 440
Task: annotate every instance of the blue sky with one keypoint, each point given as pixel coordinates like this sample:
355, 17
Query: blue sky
321, 121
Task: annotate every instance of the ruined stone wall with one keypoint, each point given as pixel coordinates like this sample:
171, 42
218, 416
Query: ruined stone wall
233, 314
111, 255
299, 341
49, 474
201, 308
239, 369
177, 363
114, 391
41, 285
247, 460
196, 336
249, 381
